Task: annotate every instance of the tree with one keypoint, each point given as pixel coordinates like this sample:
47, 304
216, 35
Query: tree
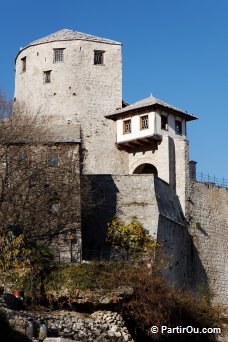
133, 238
14, 256
40, 178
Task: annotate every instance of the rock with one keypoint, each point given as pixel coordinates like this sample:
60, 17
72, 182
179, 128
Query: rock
110, 333
57, 339
114, 328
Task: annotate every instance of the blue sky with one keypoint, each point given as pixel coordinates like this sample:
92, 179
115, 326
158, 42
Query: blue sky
175, 49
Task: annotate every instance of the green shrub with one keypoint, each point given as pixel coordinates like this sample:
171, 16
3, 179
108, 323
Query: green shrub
94, 275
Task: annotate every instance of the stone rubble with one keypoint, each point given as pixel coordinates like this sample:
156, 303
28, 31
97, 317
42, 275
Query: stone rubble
100, 326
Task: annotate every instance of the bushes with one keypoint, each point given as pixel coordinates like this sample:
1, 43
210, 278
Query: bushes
132, 238
94, 275
153, 302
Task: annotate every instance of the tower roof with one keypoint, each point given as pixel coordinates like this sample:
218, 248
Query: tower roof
150, 102
66, 34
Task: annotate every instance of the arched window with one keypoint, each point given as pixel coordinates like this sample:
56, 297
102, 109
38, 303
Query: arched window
146, 169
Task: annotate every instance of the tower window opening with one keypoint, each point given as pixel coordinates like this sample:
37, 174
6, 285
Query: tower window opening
47, 76
164, 122
23, 61
178, 127
98, 57
144, 122
127, 126
58, 55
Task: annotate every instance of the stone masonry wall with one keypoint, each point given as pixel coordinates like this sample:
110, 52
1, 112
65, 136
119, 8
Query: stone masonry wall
154, 203
106, 196
208, 224
79, 92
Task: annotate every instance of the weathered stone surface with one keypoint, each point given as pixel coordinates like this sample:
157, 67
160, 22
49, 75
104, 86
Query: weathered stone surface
57, 339
68, 325
208, 220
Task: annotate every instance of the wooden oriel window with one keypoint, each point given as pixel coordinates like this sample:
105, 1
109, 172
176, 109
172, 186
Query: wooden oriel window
127, 126
144, 122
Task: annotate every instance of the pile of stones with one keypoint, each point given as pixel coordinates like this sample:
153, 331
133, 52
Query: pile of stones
100, 326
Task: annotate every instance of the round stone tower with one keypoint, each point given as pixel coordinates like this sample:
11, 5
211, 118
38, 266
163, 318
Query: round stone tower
72, 77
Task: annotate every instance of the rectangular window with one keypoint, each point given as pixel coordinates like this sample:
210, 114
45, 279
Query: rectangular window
23, 65
178, 127
58, 55
53, 160
164, 122
144, 123
23, 157
47, 76
127, 126
98, 57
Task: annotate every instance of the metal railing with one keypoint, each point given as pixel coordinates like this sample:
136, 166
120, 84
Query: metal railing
200, 177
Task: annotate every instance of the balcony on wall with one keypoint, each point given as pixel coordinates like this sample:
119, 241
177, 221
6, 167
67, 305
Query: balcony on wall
135, 143
135, 130
143, 123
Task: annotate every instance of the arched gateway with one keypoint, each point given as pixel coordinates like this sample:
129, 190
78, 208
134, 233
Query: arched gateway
146, 169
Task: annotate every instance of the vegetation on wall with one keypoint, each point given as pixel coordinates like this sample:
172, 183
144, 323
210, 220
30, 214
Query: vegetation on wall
132, 238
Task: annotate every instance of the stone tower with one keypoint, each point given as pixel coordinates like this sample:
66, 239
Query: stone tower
72, 77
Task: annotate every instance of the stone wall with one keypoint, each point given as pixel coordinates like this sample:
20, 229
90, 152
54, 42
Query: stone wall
154, 203
106, 196
79, 92
99, 326
177, 245
208, 224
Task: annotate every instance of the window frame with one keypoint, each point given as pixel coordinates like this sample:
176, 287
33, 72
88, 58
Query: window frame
47, 76
23, 157
61, 52
178, 122
52, 157
124, 126
141, 122
98, 58
166, 125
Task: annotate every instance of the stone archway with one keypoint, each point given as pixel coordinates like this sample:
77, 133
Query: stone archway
145, 168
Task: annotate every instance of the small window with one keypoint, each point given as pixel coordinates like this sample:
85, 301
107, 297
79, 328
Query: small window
127, 126
164, 122
178, 127
58, 55
23, 66
47, 76
22, 157
53, 160
98, 57
144, 123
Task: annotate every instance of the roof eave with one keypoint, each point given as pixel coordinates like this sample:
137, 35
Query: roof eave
187, 116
